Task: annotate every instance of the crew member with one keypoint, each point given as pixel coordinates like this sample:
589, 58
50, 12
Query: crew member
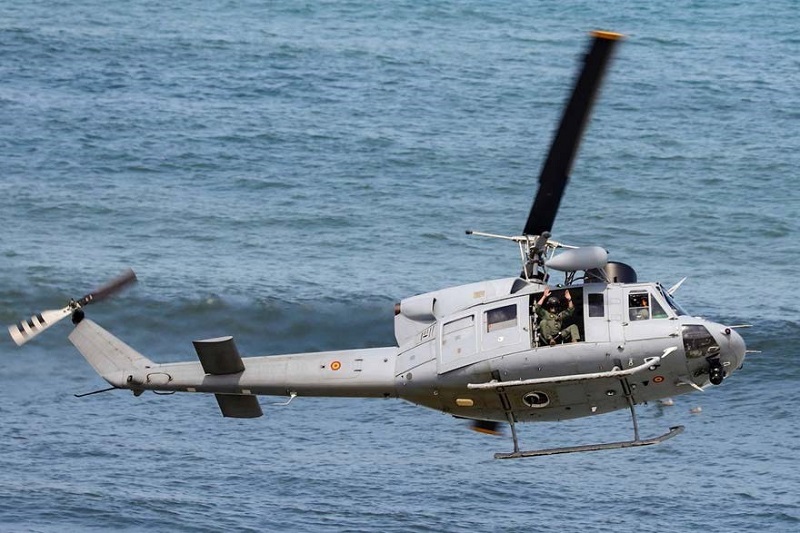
551, 319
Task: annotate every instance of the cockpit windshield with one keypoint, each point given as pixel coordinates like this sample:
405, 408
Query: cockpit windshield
672, 303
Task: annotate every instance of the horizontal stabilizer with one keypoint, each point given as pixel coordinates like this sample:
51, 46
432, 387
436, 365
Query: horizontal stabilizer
239, 406
219, 356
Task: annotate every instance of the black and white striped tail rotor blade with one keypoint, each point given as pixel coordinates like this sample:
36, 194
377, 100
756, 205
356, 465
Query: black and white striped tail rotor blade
28, 329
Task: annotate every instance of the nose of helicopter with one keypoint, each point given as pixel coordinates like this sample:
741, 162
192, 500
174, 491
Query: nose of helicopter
732, 349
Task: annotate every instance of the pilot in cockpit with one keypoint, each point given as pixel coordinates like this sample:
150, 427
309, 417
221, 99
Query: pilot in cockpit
639, 306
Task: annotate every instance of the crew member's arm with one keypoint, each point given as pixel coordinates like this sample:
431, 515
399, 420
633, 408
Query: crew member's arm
570, 306
544, 296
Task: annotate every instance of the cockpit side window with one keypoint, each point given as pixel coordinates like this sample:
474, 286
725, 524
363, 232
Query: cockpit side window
643, 306
639, 306
656, 310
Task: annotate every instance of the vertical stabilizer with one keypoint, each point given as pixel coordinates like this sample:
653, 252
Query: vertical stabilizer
106, 353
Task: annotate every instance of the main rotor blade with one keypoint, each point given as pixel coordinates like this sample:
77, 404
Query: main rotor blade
487, 427
555, 173
110, 288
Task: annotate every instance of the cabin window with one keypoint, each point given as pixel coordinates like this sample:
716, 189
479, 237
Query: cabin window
501, 318
597, 307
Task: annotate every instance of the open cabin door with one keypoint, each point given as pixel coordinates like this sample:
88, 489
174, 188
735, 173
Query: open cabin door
484, 332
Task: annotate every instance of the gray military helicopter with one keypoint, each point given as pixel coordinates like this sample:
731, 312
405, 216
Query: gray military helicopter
507, 350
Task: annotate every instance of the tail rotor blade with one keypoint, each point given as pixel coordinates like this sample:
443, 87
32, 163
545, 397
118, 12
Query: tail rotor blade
28, 329
110, 288
555, 173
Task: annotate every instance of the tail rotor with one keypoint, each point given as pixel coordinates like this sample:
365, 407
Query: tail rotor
26, 330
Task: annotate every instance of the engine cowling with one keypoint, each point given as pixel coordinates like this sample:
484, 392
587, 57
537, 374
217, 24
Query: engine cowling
585, 258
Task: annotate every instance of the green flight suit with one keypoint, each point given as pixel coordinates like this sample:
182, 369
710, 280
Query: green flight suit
550, 325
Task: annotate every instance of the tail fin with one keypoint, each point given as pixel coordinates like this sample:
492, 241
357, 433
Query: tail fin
107, 354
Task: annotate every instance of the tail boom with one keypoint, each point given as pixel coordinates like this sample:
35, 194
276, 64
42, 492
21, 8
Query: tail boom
365, 373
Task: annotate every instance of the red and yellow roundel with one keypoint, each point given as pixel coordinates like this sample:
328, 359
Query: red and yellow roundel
658, 379
336, 365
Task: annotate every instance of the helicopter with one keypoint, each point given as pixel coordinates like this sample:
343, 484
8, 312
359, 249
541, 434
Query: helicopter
495, 352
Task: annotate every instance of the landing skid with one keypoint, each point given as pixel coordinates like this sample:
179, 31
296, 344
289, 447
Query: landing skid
635, 443
677, 430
